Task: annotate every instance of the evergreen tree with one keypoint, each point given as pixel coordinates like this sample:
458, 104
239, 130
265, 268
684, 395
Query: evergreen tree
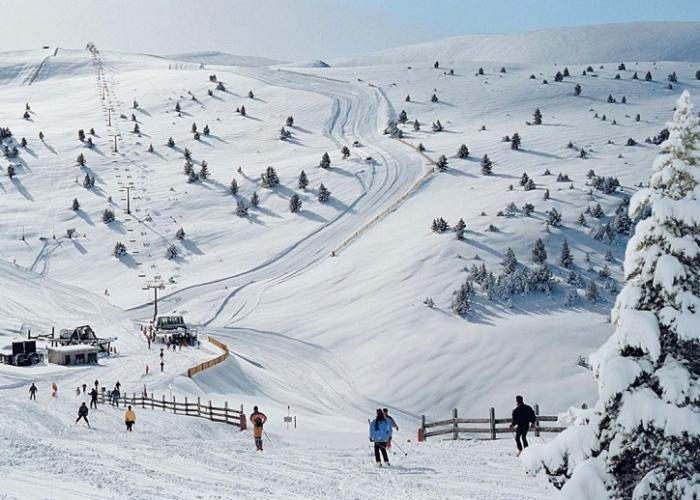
565, 258
290, 121
108, 216
416, 125
251, 95
254, 200
539, 253
269, 179
323, 194
345, 152
480, 71
81, 160
177, 107
194, 127
434, 98
577, 89
537, 117
171, 142
233, 188
10, 170
285, 134
241, 208
325, 161
408, 98
295, 203
515, 141
524, 178
621, 67
486, 165
647, 77
180, 234
510, 262
459, 229
76, 205
437, 126
171, 252
528, 208
558, 77
461, 303
119, 249
206, 130
81, 135
204, 171
441, 163
403, 117
463, 152
303, 180
242, 111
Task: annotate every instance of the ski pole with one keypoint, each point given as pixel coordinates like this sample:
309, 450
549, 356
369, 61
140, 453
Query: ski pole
394, 443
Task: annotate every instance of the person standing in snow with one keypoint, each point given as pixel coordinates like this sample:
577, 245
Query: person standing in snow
54, 390
258, 420
83, 413
129, 418
393, 426
379, 434
32, 391
115, 397
93, 398
524, 418
118, 385
162, 364
84, 388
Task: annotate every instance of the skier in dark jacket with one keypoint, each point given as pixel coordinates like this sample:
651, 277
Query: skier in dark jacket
83, 413
379, 434
523, 419
258, 419
93, 398
32, 391
394, 425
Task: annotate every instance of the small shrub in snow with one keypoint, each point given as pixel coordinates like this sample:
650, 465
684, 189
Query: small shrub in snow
440, 225
180, 234
241, 208
459, 229
515, 142
537, 117
528, 208
441, 163
269, 178
303, 181
119, 249
171, 252
254, 199
325, 161
486, 165
539, 253
76, 205
295, 203
461, 303
108, 216
463, 152
323, 194
437, 126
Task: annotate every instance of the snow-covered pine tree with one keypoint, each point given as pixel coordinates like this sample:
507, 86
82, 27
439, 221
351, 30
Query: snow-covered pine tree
345, 152
441, 163
241, 208
539, 253
325, 161
565, 258
108, 216
233, 188
459, 229
119, 249
537, 117
577, 89
510, 262
254, 199
303, 180
323, 194
76, 205
642, 437
463, 152
486, 165
515, 141
461, 303
180, 234
295, 204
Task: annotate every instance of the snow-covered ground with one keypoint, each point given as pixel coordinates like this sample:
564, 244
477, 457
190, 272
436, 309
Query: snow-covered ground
332, 337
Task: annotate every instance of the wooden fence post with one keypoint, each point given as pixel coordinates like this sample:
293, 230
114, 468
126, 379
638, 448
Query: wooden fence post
537, 421
187, 408
133, 399
455, 431
143, 401
492, 422
421, 431
152, 402
211, 412
163, 402
174, 407
199, 407
226, 411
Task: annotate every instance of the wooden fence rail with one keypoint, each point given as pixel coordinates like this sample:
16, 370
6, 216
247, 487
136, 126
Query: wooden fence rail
222, 414
212, 362
488, 425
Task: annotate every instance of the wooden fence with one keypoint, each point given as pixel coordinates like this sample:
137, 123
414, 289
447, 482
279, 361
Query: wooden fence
212, 362
222, 414
490, 425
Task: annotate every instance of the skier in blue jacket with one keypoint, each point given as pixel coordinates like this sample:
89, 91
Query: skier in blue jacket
379, 434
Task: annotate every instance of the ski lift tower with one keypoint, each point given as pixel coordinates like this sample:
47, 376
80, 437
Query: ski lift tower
155, 284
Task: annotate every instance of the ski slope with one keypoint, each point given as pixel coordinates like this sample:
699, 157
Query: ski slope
332, 337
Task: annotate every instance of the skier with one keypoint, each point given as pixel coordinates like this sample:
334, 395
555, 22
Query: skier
32, 391
379, 434
83, 413
115, 397
146, 369
129, 418
84, 388
393, 426
161, 366
77, 391
93, 398
161, 353
54, 390
523, 419
96, 385
258, 419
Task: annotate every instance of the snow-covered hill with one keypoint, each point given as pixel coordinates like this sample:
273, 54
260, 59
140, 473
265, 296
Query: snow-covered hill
323, 310
652, 41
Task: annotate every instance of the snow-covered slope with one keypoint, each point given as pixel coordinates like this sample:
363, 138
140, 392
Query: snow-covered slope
323, 309
224, 59
652, 41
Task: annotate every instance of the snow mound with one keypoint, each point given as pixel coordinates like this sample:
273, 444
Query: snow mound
312, 63
655, 41
224, 59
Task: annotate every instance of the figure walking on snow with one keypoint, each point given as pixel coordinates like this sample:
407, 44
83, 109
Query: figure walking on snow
83, 413
258, 420
32, 392
93, 398
129, 418
393, 426
54, 390
379, 434
523, 419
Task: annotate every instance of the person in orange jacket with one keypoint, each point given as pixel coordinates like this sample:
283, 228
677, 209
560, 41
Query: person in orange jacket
258, 419
54, 390
129, 418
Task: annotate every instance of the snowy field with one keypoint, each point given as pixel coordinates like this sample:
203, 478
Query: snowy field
323, 310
